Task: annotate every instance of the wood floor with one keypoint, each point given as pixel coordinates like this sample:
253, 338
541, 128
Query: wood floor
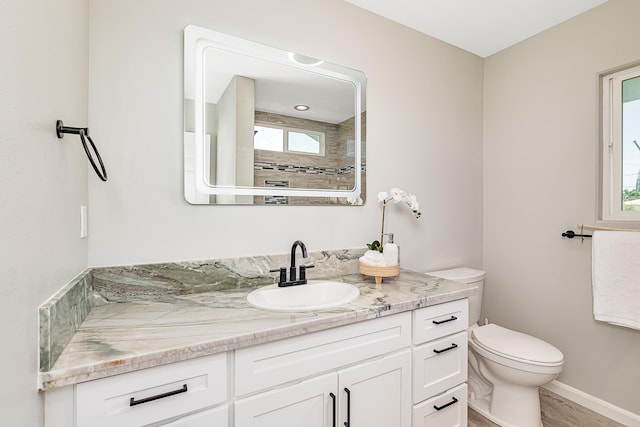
556, 412
477, 420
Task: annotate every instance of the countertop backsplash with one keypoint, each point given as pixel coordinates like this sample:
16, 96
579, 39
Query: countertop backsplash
61, 316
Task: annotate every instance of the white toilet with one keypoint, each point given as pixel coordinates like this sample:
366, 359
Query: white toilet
505, 367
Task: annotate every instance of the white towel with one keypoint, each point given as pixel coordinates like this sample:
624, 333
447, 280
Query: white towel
373, 258
616, 277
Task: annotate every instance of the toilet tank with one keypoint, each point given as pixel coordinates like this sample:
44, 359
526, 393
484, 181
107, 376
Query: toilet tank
469, 276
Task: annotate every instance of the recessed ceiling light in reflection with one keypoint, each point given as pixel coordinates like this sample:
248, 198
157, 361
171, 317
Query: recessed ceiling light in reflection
304, 60
301, 107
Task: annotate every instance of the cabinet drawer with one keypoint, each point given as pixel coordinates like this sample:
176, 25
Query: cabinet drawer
448, 409
439, 365
153, 394
278, 362
439, 320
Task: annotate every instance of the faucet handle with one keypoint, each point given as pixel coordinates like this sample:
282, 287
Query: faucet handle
303, 271
283, 274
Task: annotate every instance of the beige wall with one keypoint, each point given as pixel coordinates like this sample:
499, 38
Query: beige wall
540, 179
424, 111
43, 181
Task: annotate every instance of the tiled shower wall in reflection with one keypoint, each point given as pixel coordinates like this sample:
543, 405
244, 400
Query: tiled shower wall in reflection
333, 170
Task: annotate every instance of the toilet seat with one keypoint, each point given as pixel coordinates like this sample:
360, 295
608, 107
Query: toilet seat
515, 349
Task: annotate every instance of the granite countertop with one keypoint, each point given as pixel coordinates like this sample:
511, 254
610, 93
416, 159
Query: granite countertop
125, 332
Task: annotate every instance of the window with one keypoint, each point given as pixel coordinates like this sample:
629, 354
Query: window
621, 145
284, 139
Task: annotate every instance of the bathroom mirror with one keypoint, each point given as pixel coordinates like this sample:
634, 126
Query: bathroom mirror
264, 126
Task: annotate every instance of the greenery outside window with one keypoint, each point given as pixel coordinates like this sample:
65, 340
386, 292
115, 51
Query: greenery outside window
288, 140
621, 145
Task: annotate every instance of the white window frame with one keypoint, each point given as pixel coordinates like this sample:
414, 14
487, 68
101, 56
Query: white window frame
612, 146
285, 136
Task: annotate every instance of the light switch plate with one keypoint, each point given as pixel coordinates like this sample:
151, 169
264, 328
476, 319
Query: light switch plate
83, 222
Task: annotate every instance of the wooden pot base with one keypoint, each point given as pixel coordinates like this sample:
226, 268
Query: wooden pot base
380, 272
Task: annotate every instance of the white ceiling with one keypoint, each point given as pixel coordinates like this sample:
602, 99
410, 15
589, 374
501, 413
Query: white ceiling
279, 87
483, 27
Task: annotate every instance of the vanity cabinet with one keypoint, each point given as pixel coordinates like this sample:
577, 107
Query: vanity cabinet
440, 365
403, 370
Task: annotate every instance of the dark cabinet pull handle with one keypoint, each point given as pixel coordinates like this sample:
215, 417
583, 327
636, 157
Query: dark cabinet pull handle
333, 398
439, 408
348, 422
446, 349
134, 402
440, 322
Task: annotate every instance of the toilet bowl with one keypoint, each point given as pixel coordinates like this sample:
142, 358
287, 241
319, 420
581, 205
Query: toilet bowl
515, 365
505, 367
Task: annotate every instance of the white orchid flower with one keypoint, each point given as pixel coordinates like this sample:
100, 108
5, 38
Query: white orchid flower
398, 195
412, 201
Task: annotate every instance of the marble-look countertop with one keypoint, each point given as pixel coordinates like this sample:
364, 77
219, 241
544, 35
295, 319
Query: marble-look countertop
137, 333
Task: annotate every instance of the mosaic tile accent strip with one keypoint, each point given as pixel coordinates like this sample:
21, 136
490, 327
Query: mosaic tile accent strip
314, 170
276, 200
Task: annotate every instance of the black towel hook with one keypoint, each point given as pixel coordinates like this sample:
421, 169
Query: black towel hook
84, 136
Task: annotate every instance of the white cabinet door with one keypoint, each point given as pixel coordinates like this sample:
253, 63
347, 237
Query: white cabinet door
376, 394
308, 404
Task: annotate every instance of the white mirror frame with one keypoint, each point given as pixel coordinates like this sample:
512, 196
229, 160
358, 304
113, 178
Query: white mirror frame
196, 41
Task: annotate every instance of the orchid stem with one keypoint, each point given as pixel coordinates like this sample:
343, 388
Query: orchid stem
384, 206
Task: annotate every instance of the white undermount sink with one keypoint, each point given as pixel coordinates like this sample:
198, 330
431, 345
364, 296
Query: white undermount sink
315, 295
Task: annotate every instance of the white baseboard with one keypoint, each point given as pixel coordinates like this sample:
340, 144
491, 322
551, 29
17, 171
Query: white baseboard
606, 409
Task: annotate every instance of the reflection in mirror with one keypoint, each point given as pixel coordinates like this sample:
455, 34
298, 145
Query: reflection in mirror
266, 126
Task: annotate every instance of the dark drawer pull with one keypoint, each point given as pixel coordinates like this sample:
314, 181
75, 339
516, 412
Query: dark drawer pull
333, 406
439, 408
134, 402
348, 422
440, 322
446, 349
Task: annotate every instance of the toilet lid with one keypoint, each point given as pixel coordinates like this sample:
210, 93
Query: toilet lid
461, 274
515, 345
